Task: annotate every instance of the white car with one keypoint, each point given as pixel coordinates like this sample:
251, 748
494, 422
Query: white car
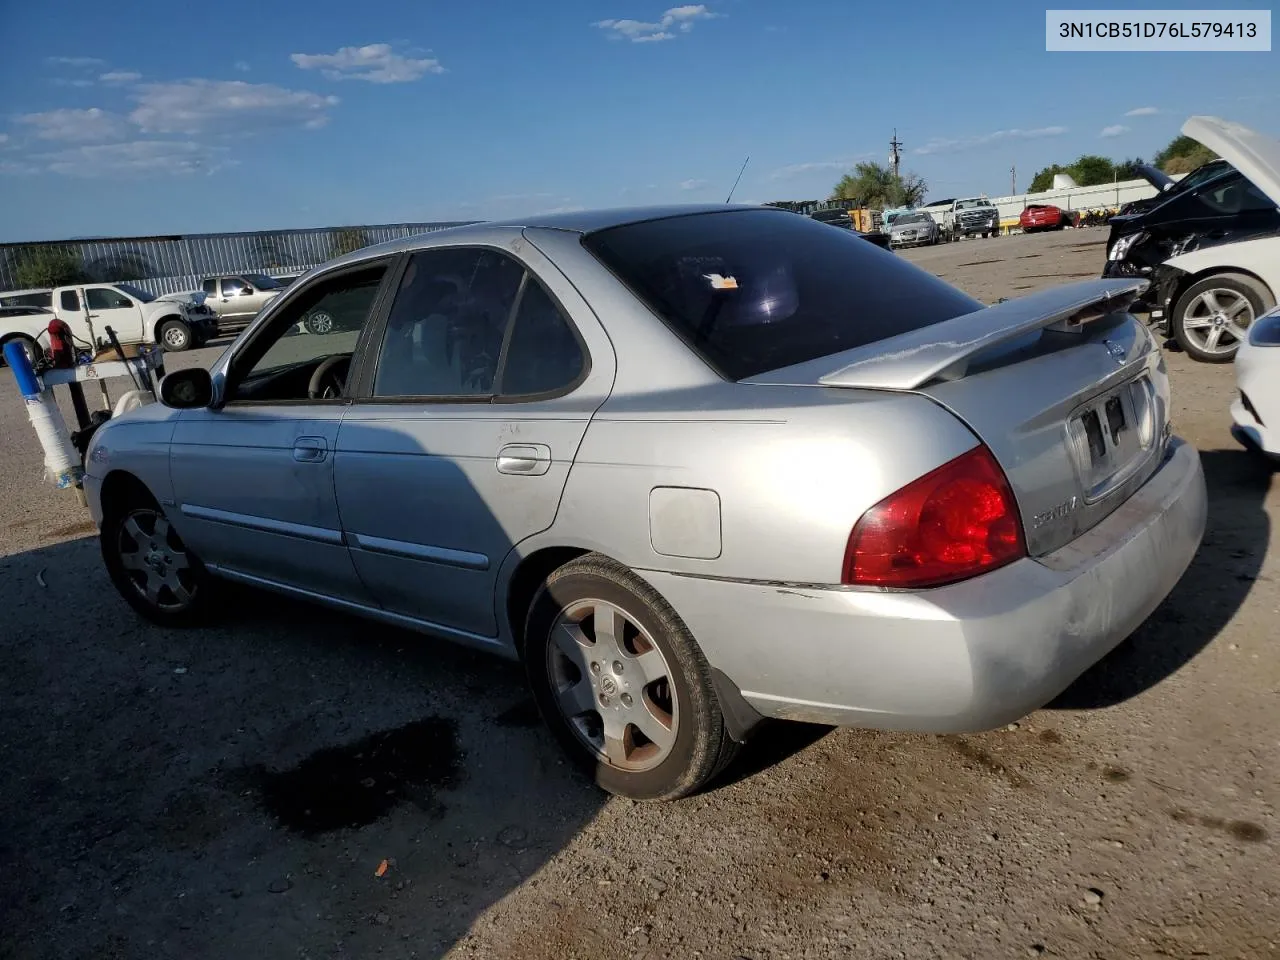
1255, 412
1217, 290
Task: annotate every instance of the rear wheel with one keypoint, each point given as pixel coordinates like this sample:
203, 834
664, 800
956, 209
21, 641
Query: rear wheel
149, 564
1212, 317
174, 335
319, 322
622, 684
29, 347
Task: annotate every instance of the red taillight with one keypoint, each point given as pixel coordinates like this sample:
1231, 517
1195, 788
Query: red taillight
956, 522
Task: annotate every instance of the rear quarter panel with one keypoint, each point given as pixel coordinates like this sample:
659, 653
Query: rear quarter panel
793, 469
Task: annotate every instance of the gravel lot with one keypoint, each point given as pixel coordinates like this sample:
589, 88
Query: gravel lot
234, 791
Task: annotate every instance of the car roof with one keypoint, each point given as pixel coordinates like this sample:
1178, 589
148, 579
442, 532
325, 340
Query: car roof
577, 221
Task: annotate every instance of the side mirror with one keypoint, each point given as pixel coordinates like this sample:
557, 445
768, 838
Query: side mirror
187, 389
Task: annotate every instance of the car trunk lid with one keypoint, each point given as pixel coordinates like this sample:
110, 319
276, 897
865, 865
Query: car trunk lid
1067, 390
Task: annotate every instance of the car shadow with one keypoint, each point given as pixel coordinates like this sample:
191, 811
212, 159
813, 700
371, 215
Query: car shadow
288, 781
1219, 579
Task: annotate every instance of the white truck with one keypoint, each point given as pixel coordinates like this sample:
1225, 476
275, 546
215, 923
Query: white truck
136, 316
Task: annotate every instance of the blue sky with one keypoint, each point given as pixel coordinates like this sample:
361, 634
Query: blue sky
151, 118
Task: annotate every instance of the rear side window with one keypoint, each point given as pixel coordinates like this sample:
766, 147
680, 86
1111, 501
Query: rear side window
754, 290
68, 300
543, 355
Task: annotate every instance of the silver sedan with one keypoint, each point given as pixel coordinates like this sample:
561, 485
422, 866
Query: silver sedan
693, 466
913, 229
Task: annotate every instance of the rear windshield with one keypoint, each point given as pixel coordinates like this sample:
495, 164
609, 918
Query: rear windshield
753, 290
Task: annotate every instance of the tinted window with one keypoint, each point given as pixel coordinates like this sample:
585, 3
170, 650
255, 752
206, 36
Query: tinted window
543, 355
69, 300
1231, 195
753, 290
43, 298
100, 299
210, 287
231, 287
446, 326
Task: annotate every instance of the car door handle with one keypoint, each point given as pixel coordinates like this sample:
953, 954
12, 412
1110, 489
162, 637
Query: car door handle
310, 449
525, 459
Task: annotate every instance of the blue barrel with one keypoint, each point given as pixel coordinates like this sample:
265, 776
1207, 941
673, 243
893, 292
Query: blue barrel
20, 364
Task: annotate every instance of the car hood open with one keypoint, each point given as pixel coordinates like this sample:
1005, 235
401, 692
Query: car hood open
1155, 176
1254, 155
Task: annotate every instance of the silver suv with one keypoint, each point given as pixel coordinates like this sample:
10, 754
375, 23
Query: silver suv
237, 299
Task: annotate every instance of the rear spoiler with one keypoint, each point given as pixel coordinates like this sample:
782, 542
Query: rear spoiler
943, 350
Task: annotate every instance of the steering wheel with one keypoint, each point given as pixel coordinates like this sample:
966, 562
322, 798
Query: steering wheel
327, 382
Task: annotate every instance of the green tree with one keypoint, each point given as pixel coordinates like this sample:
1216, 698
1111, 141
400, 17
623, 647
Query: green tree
348, 239
47, 266
1043, 180
874, 186
1128, 169
1090, 170
1182, 155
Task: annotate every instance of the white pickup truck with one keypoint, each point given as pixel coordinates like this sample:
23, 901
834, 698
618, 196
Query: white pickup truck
175, 322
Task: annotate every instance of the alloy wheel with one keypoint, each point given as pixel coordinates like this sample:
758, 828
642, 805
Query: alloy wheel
155, 560
613, 685
1217, 320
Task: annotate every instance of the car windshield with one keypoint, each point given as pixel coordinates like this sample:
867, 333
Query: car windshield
263, 282
753, 291
911, 218
1202, 174
970, 204
136, 292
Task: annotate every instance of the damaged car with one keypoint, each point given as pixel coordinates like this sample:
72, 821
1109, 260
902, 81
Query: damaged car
1209, 291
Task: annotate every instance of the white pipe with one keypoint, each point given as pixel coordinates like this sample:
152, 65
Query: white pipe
61, 461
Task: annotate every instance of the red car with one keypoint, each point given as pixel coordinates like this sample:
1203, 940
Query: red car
1045, 216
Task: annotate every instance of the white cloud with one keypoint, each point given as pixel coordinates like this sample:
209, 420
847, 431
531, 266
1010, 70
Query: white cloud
75, 61
120, 76
137, 158
1115, 130
64, 82
75, 125
943, 145
553, 210
680, 19
374, 62
226, 106
693, 184
242, 66
1143, 112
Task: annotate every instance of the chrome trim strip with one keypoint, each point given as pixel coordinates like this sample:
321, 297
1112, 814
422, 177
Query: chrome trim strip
265, 524
421, 551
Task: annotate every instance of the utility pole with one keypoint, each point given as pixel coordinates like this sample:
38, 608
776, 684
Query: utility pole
895, 153
1013, 180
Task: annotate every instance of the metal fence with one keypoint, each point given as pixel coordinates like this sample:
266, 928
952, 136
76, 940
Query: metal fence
171, 264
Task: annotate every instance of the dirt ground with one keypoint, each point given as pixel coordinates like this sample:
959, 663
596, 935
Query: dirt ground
235, 791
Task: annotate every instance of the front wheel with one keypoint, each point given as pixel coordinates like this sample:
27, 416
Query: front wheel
1211, 319
150, 565
622, 684
175, 336
319, 322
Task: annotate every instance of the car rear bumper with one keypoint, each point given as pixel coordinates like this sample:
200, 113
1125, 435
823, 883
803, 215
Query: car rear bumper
965, 657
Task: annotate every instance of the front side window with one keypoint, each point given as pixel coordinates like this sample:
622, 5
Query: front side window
233, 287
319, 327
447, 323
752, 290
104, 298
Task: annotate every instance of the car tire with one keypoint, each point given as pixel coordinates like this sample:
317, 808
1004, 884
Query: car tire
1230, 291
168, 585
320, 323
33, 351
651, 678
175, 336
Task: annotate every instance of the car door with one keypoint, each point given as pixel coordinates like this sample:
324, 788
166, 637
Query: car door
235, 300
461, 439
253, 474
109, 307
